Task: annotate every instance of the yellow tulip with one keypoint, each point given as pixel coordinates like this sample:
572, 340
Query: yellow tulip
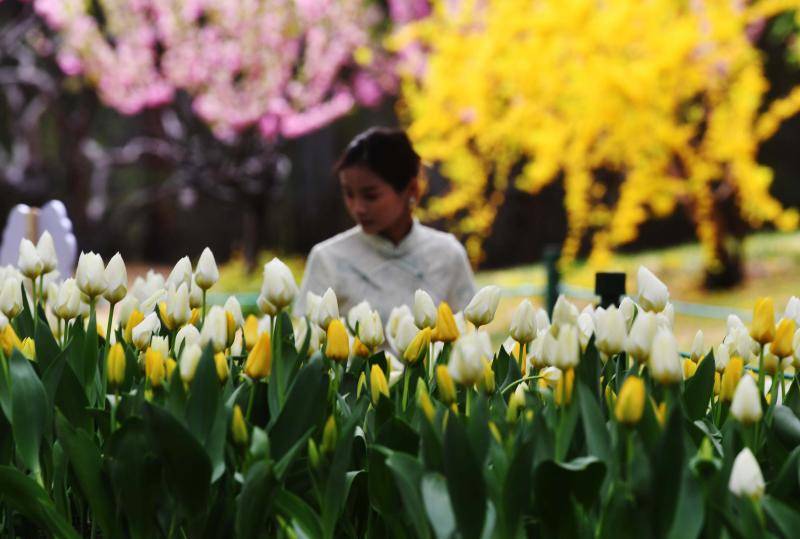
661, 412
250, 331
238, 427
154, 367
221, 363
418, 345
630, 404
515, 403
259, 360
730, 379
377, 384
563, 393
9, 340
230, 325
424, 401
782, 344
115, 365
487, 381
446, 329
133, 321
447, 389
611, 397
162, 312
359, 348
717, 383
362, 382
338, 344
763, 326
329, 435
170, 365
689, 368
28, 348
195, 316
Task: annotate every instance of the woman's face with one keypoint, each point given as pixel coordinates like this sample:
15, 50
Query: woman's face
372, 202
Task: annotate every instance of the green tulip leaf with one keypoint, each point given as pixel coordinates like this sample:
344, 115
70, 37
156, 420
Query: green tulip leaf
255, 502
785, 517
465, 483
786, 425
594, 426
408, 474
699, 389
787, 483
30, 412
669, 457
517, 488
299, 511
437, 505
690, 512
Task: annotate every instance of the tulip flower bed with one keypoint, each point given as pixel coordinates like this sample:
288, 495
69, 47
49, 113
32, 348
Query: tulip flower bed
175, 420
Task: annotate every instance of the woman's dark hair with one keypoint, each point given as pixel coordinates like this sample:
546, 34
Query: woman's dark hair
386, 152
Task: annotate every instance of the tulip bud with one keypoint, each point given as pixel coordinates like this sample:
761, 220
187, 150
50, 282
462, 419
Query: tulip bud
698, 348
160, 344
568, 352
563, 392
134, 320
190, 358
585, 329
116, 278
28, 349
370, 330
178, 311
237, 346
181, 273
90, 275
327, 310
549, 349
143, 331
515, 403
250, 330
746, 478
535, 355
793, 309
665, 365
447, 389
154, 367
9, 340
362, 383
781, 346
279, 287
221, 364
550, 376
329, 435
424, 310
11, 297
763, 326
640, 339
542, 320
630, 403
405, 333
259, 360
29, 262
796, 346
418, 346
46, 251
653, 294
195, 295
115, 364
689, 368
746, 404
487, 382
207, 273
730, 379
483, 306
238, 427
610, 331
564, 313
377, 384
523, 323
424, 401
628, 309
337, 345
466, 364
215, 329
357, 314
445, 330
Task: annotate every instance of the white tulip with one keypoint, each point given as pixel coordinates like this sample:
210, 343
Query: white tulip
235, 309
51, 292
698, 346
746, 403
551, 375
207, 273
178, 309
406, 331
535, 351
523, 323
741, 343
565, 313
732, 322
190, 358
91, 275
195, 295
301, 328
279, 286
47, 252
181, 273
186, 336
653, 294
395, 316
665, 362
328, 309
160, 344
11, 297
236, 346
265, 325
424, 310
793, 309
639, 342
116, 279
483, 306
509, 344
370, 330
215, 329
610, 331
746, 478
149, 304
3, 322
666, 318
568, 352
586, 328
722, 356
542, 321
265, 306
796, 347
357, 313
461, 323
67, 304
549, 348
466, 360
628, 309
144, 330
29, 262
396, 369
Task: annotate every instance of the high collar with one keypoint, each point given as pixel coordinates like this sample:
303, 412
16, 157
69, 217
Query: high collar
389, 249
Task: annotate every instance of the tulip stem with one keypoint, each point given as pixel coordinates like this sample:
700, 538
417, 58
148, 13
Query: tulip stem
203, 312
406, 376
105, 345
251, 399
468, 402
515, 382
114, 410
41, 291
761, 371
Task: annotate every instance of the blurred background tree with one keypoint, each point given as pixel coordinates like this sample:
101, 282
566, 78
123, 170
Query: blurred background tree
633, 107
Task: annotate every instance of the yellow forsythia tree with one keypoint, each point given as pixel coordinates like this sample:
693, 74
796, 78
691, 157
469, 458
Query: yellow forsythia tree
665, 96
